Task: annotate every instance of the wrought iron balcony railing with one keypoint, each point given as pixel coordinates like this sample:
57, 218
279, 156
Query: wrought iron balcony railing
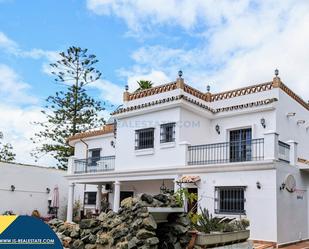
284, 152
94, 164
228, 152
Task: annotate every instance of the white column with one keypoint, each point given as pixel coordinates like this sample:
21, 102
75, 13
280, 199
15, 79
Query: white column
271, 148
71, 167
99, 198
184, 154
116, 196
176, 184
70, 202
293, 152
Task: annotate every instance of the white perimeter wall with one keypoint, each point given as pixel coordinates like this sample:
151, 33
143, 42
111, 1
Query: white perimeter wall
260, 204
30, 193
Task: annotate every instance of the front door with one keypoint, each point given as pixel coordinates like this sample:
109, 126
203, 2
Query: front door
240, 145
192, 206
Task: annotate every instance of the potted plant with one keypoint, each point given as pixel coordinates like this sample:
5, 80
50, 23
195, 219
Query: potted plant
214, 231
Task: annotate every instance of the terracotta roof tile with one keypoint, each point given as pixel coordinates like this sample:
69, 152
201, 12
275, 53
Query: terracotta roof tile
109, 128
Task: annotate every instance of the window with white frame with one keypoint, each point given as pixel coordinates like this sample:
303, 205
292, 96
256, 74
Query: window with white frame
144, 138
230, 200
167, 133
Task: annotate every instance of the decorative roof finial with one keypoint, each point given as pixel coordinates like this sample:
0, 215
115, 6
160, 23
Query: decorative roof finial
180, 73
127, 88
208, 88
276, 72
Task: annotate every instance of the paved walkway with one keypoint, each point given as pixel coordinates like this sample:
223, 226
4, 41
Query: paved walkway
302, 245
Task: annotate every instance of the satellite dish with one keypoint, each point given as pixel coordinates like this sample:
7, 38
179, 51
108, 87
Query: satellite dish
290, 183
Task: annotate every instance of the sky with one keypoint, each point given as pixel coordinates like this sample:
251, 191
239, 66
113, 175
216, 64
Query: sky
225, 44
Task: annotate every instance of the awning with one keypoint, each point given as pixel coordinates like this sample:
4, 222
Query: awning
188, 179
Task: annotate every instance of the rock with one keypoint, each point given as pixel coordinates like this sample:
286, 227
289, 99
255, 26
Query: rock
183, 220
90, 246
105, 239
161, 197
110, 214
55, 222
88, 223
144, 234
115, 222
152, 241
149, 223
177, 246
92, 239
78, 244
85, 232
127, 203
137, 223
122, 245
102, 216
119, 231
66, 242
147, 198
61, 228
133, 243
179, 229
75, 232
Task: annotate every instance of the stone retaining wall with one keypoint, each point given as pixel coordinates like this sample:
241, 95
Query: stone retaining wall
132, 227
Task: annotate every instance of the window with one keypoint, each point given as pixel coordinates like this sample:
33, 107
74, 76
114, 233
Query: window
125, 194
167, 133
144, 138
241, 145
230, 200
90, 198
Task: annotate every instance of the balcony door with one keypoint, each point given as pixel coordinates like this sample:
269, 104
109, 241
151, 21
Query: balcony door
94, 157
240, 145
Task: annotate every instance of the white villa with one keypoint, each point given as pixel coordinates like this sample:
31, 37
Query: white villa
244, 151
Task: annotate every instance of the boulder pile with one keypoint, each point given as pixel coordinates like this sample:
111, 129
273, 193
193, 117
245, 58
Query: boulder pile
132, 227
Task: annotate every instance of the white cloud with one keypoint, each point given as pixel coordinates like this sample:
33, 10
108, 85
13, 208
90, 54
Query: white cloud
16, 125
12, 47
239, 42
109, 91
7, 43
13, 88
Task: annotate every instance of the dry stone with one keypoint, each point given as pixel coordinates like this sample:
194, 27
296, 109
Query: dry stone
133, 227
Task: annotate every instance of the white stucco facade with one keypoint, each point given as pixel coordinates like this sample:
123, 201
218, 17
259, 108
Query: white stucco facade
270, 118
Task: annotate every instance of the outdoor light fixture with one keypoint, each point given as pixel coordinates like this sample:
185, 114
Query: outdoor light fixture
163, 188
218, 129
13, 188
258, 185
299, 122
291, 114
47, 190
113, 144
282, 187
263, 122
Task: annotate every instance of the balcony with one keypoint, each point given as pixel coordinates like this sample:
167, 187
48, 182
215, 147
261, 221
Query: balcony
94, 164
228, 152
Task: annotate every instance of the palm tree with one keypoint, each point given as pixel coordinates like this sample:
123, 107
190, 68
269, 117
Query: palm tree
144, 84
